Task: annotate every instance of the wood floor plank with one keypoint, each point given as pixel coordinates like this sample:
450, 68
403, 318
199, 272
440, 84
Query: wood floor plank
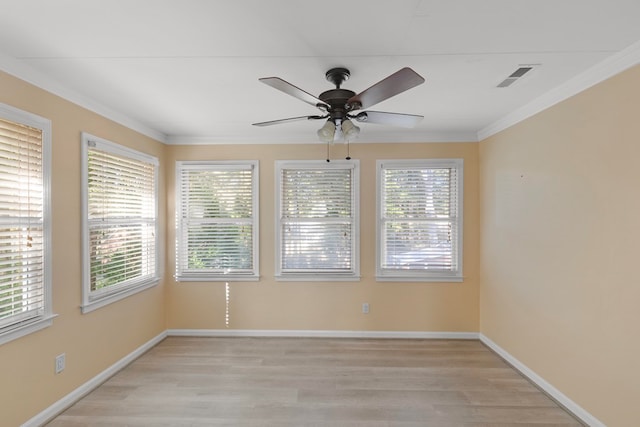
255, 382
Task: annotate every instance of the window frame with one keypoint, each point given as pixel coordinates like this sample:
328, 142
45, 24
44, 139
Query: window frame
22, 327
419, 275
92, 300
211, 276
319, 275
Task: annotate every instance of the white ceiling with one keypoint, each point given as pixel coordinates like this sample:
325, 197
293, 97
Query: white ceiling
187, 71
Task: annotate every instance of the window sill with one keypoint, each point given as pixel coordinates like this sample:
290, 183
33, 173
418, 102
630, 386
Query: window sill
221, 278
104, 300
420, 279
26, 328
316, 278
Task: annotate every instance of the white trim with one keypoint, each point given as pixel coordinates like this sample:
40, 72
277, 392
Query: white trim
44, 320
109, 298
217, 165
556, 394
25, 72
94, 300
217, 279
420, 279
77, 394
58, 407
265, 333
319, 275
22, 329
600, 72
370, 137
388, 275
604, 70
102, 144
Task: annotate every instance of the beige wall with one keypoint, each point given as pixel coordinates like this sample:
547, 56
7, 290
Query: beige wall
94, 341
558, 220
560, 225
269, 304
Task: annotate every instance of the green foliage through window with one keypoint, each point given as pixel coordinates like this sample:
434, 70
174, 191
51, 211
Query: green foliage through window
121, 209
216, 215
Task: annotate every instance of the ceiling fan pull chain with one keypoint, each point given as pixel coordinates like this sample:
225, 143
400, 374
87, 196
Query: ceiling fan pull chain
348, 151
328, 160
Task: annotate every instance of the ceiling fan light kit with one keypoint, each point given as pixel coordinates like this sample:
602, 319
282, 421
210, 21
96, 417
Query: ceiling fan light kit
349, 130
339, 105
327, 132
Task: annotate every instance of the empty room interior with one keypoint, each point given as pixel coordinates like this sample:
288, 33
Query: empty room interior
417, 212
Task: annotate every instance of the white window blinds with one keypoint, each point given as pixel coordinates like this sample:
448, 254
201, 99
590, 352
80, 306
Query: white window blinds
121, 219
22, 292
420, 219
25, 302
218, 220
317, 220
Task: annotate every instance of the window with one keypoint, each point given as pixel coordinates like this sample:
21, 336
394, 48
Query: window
120, 228
25, 244
217, 211
317, 220
419, 220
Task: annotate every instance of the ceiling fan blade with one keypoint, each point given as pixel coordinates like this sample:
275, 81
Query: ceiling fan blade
291, 119
392, 119
396, 83
296, 92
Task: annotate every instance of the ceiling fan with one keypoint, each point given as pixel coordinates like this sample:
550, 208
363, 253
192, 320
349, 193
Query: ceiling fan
340, 106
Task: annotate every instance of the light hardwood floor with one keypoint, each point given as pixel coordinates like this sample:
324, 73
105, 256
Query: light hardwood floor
187, 381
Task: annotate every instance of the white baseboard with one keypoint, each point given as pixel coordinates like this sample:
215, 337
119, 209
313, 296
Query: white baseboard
62, 404
560, 397
321, 334
90, 385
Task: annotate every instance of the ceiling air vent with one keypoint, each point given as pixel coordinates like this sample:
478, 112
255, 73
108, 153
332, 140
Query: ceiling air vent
516, 75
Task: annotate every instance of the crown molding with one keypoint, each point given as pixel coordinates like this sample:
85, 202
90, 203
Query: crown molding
604, 70
24, 71
375, 138
27, 73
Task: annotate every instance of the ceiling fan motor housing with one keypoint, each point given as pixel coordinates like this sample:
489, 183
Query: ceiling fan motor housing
337, 98
337, 101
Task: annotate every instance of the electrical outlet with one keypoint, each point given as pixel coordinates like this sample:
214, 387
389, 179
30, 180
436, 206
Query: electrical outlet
365, 307
60, 362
